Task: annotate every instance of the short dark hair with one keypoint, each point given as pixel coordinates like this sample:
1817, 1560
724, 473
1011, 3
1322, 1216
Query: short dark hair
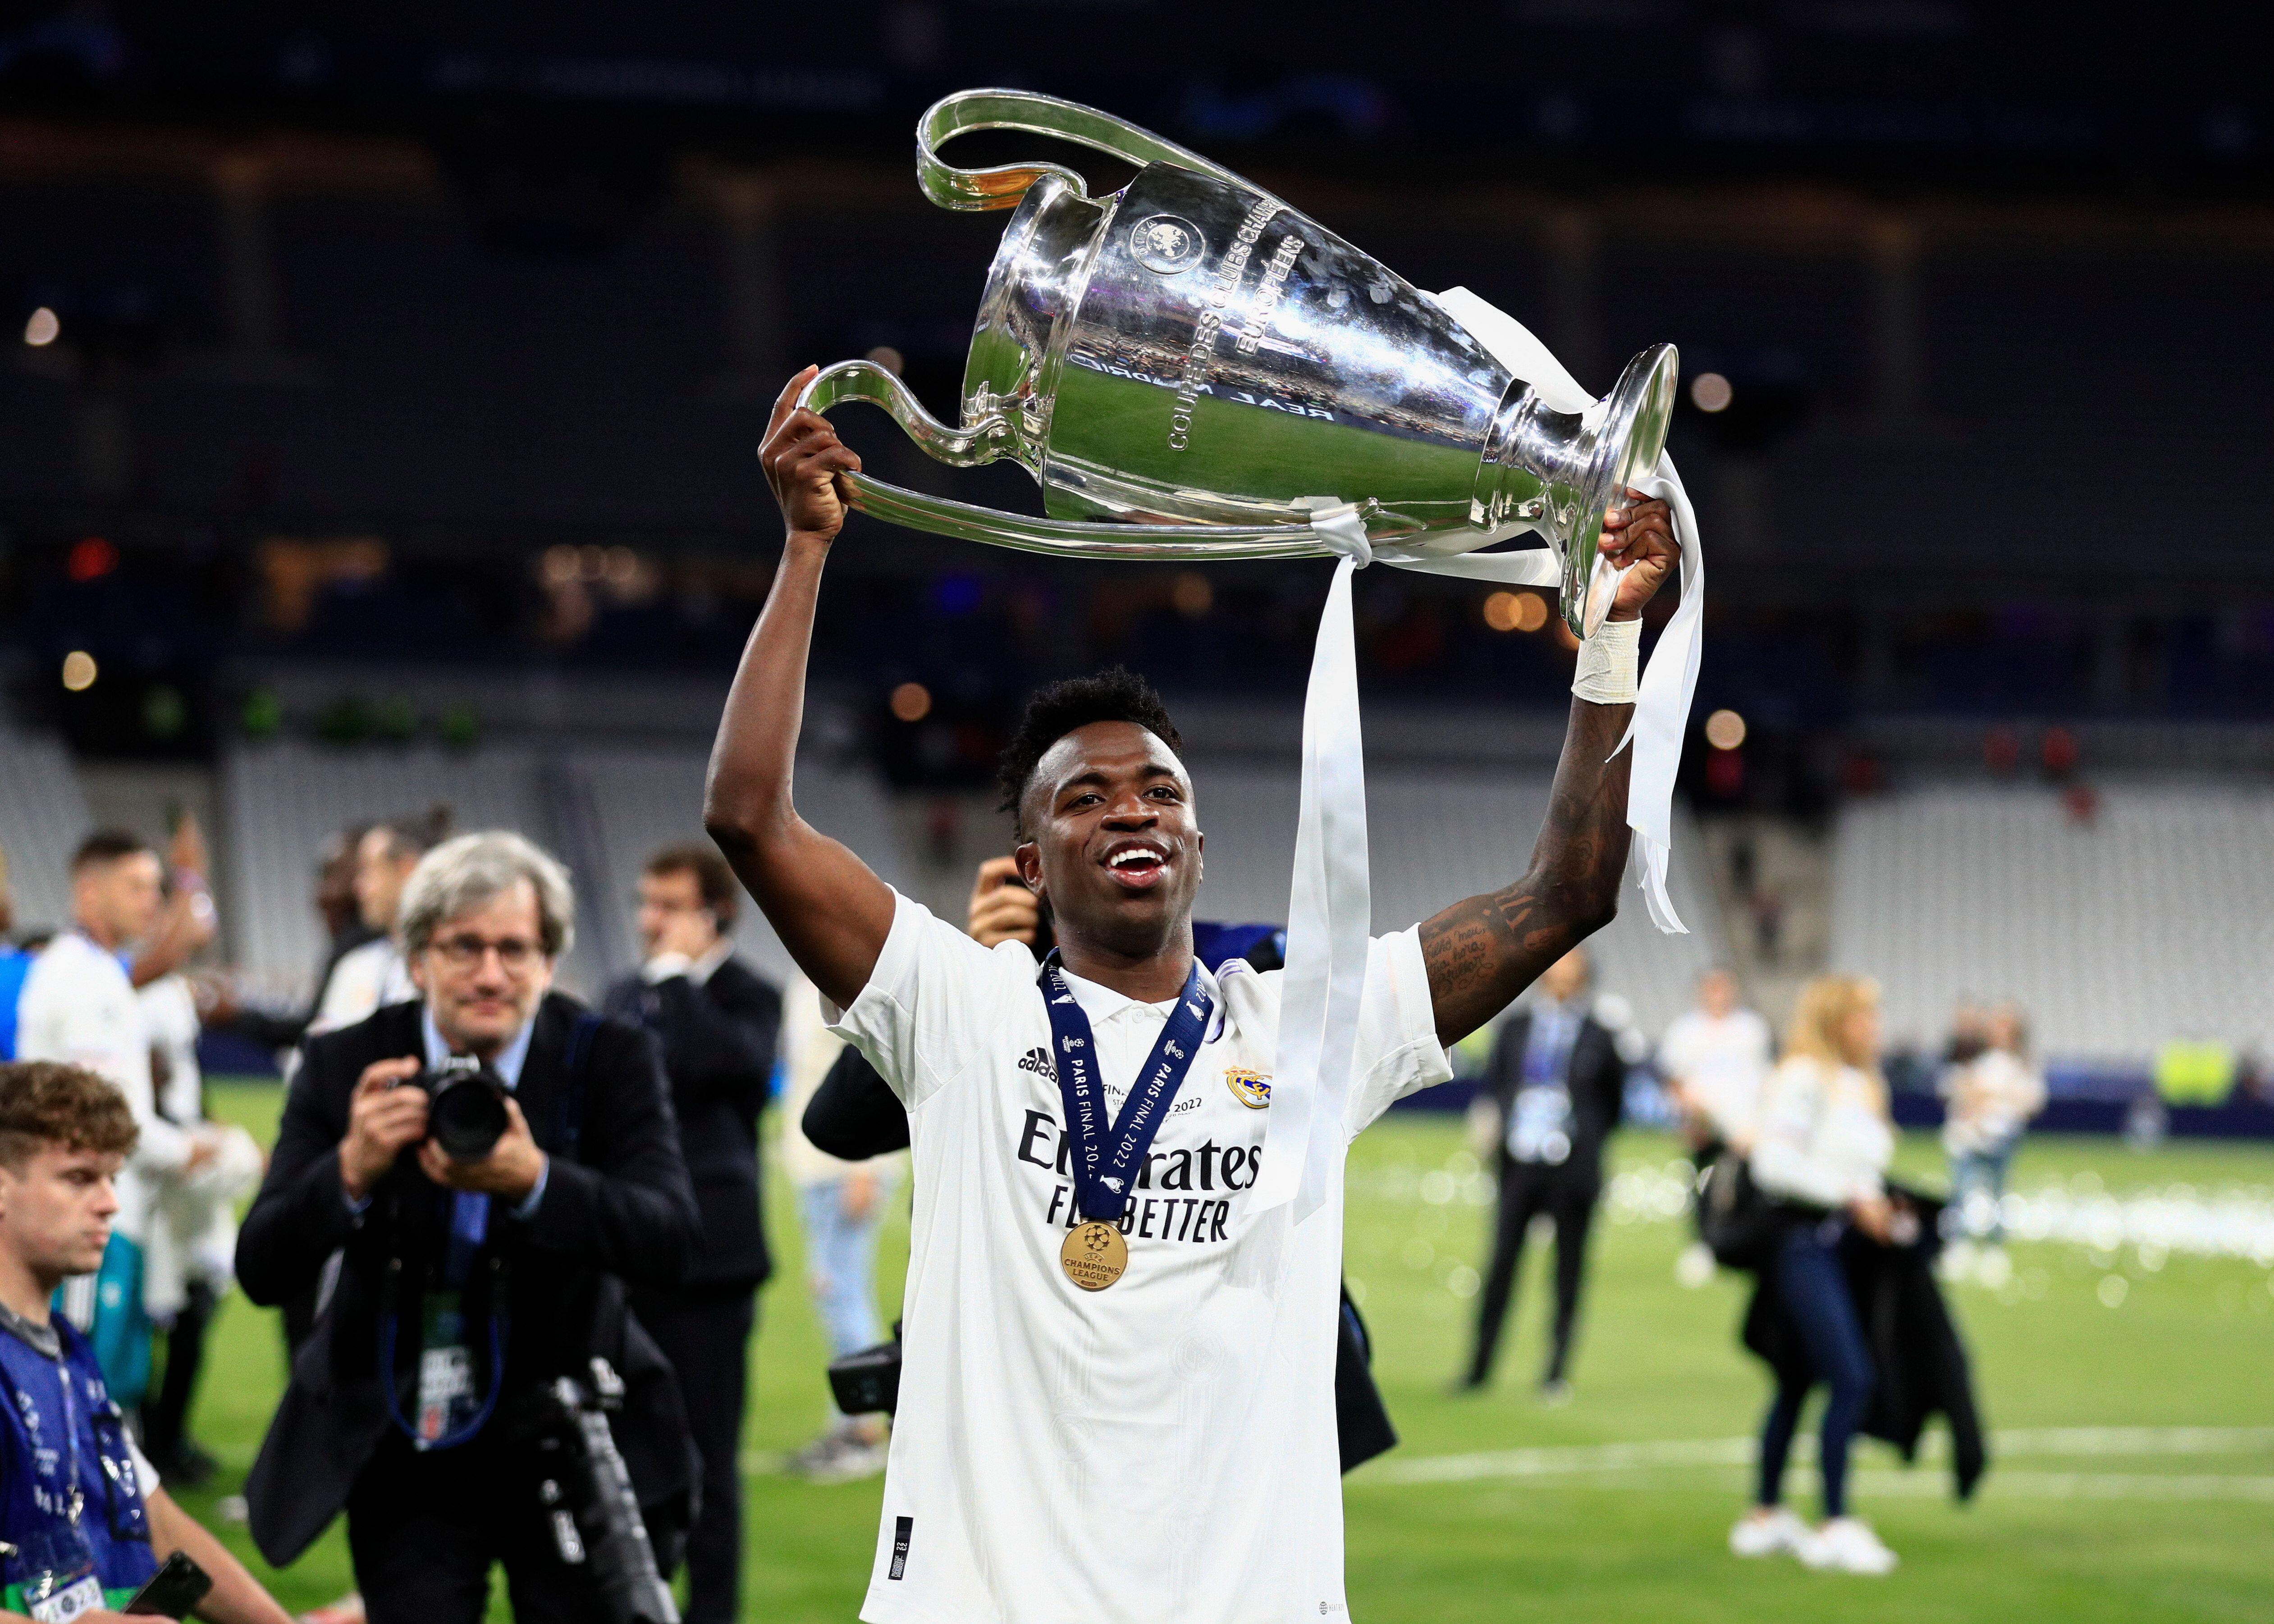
106, 845
713, 879
47, 1103
414, 834
1117, 695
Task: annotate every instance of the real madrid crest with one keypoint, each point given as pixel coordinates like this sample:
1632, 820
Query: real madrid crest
1252, 1089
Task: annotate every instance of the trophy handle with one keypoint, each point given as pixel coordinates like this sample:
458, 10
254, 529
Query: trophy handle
865, 381
1002, 187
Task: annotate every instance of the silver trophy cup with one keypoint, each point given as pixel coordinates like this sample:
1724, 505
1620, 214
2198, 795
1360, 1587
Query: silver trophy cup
1189, 367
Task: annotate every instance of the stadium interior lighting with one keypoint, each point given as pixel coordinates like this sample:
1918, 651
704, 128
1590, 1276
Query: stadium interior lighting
79, 670
1710, 392
911, 701
1725, 729
889, 358
1515, 612
1191, 595
42, 329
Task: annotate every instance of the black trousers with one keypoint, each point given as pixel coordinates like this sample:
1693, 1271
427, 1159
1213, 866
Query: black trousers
705, 1333
166, 1413
1567, 1194
423, 1531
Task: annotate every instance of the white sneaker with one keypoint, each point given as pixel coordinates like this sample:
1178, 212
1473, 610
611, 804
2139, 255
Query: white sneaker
1770, 1531
1847, 1544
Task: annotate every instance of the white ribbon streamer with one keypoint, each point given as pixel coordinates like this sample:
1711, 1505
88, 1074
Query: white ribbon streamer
1329, 907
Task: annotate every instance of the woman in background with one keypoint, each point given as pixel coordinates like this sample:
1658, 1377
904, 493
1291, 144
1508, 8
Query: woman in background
1822, 1143
1991, 1099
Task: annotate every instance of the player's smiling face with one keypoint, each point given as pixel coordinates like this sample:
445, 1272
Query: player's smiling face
1112, 844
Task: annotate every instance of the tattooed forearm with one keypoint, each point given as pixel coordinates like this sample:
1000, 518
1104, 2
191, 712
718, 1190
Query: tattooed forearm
1483, 952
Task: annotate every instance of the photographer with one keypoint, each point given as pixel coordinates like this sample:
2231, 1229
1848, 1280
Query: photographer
470, 1283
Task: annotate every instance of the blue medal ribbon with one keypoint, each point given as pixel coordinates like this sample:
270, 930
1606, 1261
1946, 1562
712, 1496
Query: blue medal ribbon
1104, 1176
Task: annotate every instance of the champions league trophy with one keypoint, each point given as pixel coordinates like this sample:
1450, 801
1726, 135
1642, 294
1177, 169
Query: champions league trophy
1192, 369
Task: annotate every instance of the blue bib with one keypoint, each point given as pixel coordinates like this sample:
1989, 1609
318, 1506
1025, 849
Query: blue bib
71, 1502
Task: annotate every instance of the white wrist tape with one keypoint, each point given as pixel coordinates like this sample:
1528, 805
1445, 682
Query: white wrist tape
1609, 663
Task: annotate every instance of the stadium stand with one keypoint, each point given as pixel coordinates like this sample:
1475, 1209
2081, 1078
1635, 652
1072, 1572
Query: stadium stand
2144, 922
43, 816
602, 811
1439, 834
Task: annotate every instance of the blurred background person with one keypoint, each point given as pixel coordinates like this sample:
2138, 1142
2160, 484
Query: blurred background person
1988, 1102
1823, 1141
370, 976
190, 1239
79, 1006
1714, 1057
717, 1022
15, 965
1554, 1087
841, 1207
333, 898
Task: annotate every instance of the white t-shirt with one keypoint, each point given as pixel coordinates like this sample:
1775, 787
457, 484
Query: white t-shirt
1822, 1135
79, 1006
169, 1014
1164, 1449
365, 980
1721, 1062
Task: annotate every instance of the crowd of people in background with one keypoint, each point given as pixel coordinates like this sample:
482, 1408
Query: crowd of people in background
1805, 1141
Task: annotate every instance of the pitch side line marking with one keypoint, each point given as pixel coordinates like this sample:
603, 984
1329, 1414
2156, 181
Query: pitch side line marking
2025, 1441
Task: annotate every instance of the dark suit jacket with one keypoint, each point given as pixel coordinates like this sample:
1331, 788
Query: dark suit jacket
1596, 1077
620, 1209
718, 1051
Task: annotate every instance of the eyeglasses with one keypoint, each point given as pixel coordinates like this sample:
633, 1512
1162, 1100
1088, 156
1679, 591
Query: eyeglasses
464, 952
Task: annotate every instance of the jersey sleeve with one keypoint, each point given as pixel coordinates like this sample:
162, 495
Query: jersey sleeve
932, 1003
1398, 1051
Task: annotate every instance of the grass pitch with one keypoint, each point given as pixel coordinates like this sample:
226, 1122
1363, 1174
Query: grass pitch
2132, 1390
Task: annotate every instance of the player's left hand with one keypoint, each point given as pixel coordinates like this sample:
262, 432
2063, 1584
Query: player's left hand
1639, 540
510, 1170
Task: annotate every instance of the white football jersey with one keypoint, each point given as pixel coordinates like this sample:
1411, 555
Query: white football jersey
1163, 1448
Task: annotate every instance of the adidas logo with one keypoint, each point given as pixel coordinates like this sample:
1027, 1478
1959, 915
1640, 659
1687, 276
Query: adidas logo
1038, 1061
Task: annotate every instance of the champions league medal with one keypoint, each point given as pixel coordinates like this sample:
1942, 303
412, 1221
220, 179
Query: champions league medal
1096, 1253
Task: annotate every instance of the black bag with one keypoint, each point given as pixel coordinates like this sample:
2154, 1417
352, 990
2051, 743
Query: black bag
1737, 1222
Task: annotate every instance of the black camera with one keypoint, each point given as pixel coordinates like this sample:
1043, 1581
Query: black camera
465, 1107
868, 1383
587, 1496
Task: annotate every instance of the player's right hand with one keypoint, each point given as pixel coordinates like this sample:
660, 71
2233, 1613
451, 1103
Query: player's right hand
382, 1118
1002, 908
804, 459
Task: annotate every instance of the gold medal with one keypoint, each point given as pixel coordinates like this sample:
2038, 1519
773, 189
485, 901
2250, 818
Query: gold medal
1094, 1255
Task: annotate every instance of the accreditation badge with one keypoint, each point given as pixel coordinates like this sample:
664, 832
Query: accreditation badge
1094, 1255
58, 1581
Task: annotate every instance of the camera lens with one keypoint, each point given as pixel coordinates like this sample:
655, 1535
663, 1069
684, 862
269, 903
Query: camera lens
466, 1115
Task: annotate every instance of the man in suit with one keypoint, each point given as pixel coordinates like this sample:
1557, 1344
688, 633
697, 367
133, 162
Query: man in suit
466, 1285
1556, 1083
716, 1023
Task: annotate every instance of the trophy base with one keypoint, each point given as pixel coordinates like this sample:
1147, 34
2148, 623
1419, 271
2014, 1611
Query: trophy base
1628, 439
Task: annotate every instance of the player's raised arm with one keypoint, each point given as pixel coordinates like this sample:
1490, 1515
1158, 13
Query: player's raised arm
830, 912
1483, 952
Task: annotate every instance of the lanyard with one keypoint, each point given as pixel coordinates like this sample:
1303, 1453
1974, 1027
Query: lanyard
75, 1497
1103, 1176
